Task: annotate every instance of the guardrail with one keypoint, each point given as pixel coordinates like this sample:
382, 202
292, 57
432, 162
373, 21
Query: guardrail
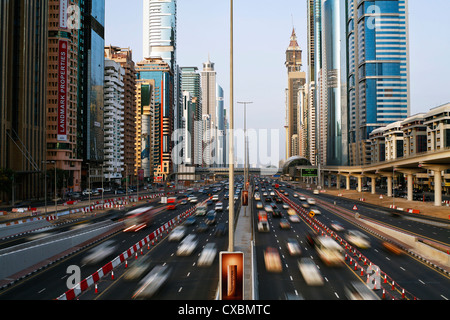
354, 259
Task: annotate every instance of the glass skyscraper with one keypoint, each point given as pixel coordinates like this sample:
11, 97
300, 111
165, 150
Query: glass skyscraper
378, 70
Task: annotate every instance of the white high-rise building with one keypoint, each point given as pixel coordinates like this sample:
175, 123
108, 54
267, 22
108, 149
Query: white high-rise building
113, 121
209, 112
160, 25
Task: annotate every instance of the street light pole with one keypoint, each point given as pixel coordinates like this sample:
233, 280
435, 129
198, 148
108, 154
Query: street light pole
231, 143
246, 160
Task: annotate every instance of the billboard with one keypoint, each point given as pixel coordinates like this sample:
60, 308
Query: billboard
309, 172
62, 89
231, 276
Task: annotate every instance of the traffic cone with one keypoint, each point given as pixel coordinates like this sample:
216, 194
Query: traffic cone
362, 272
126, 264
384, 294
393, 285
96, 289
403, 293
136, 256
112, 275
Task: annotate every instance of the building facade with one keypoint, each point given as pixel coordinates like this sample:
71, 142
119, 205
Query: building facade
378, 70
209, 113
24, 27
296, 100
124, 56
163, 114
91, 66
114, 123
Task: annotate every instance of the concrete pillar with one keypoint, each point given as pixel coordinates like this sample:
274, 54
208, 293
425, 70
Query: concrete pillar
389, 186
359, 183
373, 184
338, 181
329, 181
347, 178
409, 177
437, 188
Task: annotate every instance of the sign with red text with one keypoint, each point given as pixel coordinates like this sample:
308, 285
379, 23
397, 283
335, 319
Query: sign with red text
62, 90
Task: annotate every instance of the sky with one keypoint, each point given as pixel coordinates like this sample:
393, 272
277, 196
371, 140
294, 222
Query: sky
262, 30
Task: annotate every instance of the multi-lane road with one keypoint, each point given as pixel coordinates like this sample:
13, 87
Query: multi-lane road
188, 280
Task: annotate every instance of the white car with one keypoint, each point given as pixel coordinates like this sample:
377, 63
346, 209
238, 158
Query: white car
207, 255
311, 201
193, 199
268, 208
259, 205
219, 206
177, 234
152, 282
294, 218
187, 246
358, 239
310, 272
100, 252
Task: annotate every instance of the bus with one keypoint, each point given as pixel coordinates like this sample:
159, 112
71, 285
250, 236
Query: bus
140, 218
263, 224
172, 203
329, 251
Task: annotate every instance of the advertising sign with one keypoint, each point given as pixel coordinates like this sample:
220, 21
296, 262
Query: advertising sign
62, 90
231, 276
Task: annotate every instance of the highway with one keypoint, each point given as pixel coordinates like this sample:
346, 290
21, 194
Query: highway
187, 280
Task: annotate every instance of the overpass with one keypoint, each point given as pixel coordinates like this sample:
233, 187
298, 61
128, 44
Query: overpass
416, 165
223, 172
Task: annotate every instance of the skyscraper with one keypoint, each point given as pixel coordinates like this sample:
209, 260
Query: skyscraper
91, 65
162, 125
190, 82
23, 98
295, 100
378, 70
209, 112
333, 86
160, 25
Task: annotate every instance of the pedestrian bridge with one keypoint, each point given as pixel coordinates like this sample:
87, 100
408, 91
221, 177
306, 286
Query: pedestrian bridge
418, 165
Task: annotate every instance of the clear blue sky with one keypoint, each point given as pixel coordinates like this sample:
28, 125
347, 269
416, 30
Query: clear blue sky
262, 31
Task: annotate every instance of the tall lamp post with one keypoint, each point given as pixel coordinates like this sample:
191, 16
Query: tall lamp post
246, 160
231, 142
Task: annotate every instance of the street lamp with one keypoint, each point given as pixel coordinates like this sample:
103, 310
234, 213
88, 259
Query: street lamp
246, 160
231, 142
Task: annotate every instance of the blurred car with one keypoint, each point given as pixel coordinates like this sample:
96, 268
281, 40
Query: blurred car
337, 226
177, 234
221, 230
294, 218
259, 205
310, 272
152, 282
311, 201
219, 206
316, 191
276, 213
207, 255
272, 260
392, 248
190, 221
138, 268
359, 291
293, 247
193, 199
305, 205
187, 246
211, 218
286, 206
316, 212
268, 208
263, 226
100, 252
302, 198
295, 195
202, 227
311, 238
358, 239
284, 224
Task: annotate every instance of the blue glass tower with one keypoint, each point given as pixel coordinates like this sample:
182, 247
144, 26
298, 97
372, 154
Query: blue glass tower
378, 69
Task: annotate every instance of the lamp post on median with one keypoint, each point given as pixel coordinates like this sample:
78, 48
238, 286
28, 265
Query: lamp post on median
231, 143
246, 160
